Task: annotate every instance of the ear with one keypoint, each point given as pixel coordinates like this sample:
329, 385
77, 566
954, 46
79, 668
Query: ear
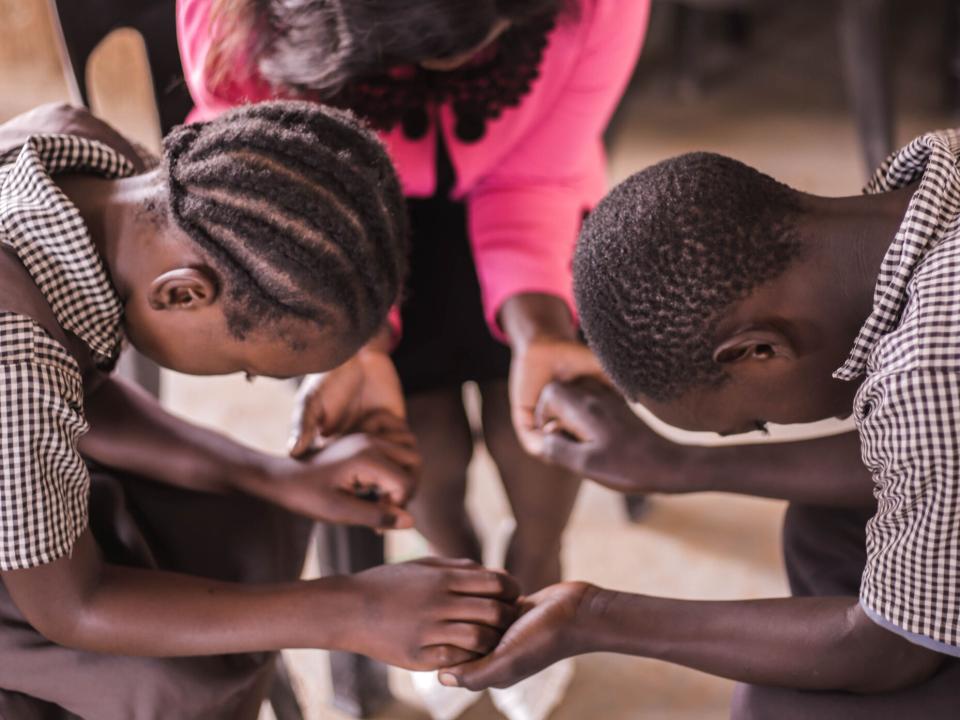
754, 343
182, 289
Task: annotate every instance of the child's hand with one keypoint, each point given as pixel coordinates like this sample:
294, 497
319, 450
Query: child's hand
431, 613
339, 401
358, 479
594, 432
549, 629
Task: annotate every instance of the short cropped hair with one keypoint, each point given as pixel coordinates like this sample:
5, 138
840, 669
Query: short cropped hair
663, 256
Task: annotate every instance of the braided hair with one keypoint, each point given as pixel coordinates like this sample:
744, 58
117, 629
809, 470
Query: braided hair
298, 209
665, 254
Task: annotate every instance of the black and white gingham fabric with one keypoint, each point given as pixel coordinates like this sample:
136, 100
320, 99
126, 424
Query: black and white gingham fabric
51, 240
44, 482
908, 408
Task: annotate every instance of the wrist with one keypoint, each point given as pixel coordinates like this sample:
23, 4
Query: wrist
531, 317
590, 627
259, 476
335, 616
617, 622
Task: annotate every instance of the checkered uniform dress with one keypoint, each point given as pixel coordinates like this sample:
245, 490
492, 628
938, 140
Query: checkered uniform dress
908, 407
44, 484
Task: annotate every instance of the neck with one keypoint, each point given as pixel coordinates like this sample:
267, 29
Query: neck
110, 209
855, 234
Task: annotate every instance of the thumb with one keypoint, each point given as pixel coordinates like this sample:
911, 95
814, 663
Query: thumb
560, 449
490, 671
305, 423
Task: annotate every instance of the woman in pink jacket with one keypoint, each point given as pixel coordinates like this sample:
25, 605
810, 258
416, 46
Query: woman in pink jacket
492, 111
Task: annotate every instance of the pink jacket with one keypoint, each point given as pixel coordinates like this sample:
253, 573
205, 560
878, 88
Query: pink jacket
534, 173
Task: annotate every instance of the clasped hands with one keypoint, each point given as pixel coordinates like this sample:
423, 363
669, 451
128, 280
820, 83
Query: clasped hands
357, 413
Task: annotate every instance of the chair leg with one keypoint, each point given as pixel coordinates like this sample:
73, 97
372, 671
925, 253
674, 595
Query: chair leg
283, 699
360, 685
863, 35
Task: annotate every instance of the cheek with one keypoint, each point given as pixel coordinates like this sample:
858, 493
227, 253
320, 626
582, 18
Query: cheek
182, 341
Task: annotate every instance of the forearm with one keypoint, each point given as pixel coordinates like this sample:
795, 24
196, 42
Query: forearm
824, 643
81, 603
131, 431
822, 471
153, 613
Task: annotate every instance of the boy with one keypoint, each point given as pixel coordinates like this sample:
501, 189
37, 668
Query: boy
722, 299
270, 241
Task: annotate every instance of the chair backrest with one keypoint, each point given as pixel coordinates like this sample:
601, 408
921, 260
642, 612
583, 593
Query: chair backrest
83, 24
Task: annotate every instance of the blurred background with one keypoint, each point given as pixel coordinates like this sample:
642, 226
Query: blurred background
812, 93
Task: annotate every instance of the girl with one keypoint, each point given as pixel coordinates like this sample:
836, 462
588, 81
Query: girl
269, 241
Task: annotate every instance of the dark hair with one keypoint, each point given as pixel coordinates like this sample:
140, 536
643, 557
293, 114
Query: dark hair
664, 254
299, 210
342, 52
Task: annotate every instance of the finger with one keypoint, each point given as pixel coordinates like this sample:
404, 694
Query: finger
435, 561
565, 405
579, 363
433, 657
307, 417
559, 449
405, 456
474, 638
346, 509
485, 611
382, 421
390, 479
531, 440
484, 582
495, 670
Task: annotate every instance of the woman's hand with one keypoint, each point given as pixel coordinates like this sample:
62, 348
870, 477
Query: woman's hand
545, 349
535, 364
357, 479
342, 400
549, 629
430, 613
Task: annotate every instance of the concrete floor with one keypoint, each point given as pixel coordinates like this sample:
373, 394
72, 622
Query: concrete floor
778, 105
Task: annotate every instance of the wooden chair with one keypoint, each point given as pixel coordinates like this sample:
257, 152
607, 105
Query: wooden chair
360, 684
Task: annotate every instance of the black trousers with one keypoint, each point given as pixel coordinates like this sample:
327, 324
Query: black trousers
824, 552
139, 523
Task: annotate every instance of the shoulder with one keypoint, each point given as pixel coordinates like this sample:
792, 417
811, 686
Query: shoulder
65, 119
25, 311
927, 336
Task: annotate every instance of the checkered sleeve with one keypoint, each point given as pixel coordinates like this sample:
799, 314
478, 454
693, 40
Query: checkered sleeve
44, 483
910, 428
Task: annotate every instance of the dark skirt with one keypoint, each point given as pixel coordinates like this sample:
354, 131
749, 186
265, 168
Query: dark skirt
445, 339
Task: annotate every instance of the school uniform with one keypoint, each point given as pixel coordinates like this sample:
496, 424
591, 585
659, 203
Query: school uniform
49, 494
903, 558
